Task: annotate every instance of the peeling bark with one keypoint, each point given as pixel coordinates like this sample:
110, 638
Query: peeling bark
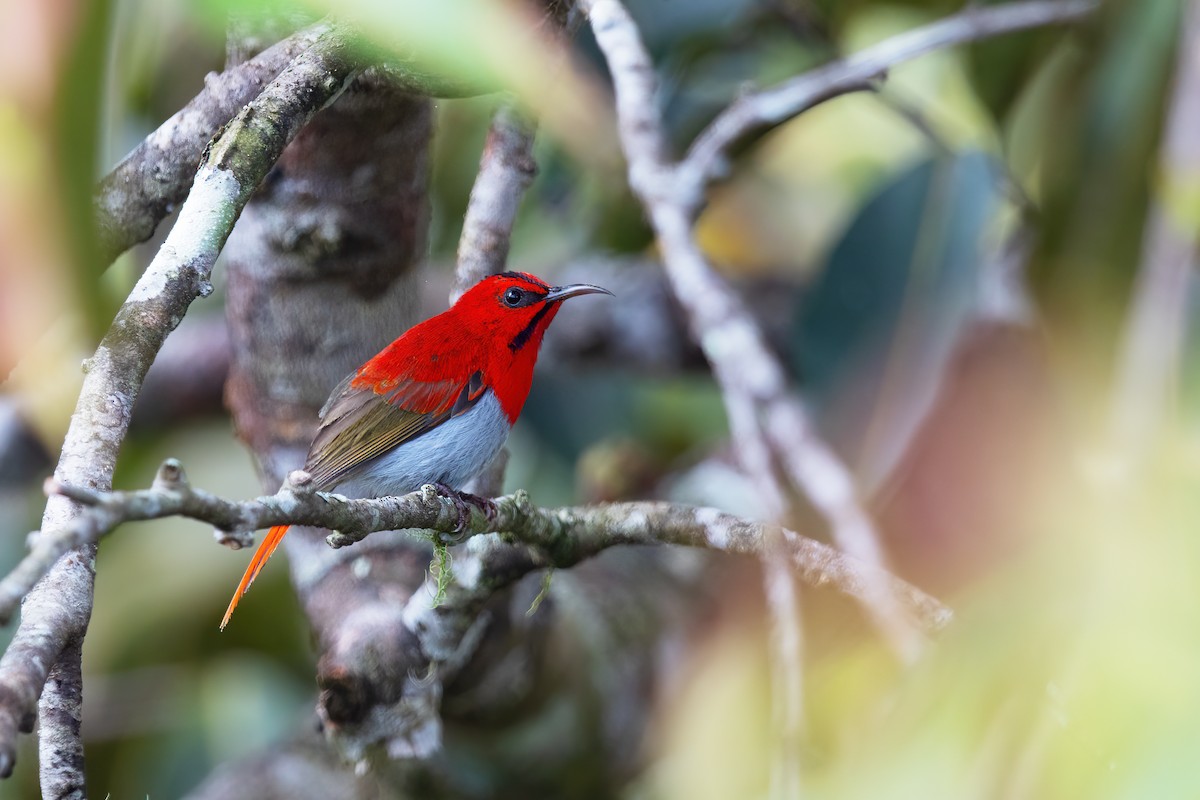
60, 747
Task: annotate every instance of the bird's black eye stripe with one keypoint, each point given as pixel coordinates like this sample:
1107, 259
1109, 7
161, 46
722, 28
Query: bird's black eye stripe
522, 338
515, 297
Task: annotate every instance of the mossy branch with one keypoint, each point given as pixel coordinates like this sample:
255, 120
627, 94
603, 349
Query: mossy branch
561, 536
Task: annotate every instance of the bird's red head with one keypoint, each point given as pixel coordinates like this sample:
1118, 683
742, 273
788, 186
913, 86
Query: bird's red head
495, 328
515, 308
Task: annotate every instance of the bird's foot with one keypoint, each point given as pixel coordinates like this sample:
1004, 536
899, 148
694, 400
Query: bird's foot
462, 502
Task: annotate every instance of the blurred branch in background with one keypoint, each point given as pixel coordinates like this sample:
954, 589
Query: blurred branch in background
645, 332
707, 158
184, 383
766, 423
186, 380
769, 427
1150, 360
22, 456
505, 171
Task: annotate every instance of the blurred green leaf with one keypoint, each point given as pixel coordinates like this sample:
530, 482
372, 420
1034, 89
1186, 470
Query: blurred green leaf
1098, 127
569, 411
1002, 67
895, 290
484, 45
77, 125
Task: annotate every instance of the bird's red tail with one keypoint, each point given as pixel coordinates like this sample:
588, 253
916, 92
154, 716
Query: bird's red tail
269, 543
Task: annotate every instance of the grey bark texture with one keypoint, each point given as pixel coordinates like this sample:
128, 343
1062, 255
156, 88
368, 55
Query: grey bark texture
156, 176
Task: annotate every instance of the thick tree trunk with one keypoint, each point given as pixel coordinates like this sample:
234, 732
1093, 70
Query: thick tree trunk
321, 276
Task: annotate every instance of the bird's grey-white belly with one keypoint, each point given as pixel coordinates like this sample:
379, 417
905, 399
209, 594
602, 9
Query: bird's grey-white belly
452, 453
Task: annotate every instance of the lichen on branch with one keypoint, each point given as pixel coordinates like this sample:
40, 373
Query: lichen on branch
561, 536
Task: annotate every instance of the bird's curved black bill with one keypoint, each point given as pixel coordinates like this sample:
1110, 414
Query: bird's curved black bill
558, 293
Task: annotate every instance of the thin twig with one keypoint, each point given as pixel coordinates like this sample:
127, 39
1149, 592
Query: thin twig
707, 159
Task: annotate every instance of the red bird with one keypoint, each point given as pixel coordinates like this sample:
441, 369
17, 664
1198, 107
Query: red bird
434, 406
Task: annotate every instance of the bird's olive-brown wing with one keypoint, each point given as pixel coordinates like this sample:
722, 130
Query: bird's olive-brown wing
358, 425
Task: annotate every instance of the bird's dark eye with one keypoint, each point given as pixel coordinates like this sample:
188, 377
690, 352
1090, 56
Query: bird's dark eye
513, 297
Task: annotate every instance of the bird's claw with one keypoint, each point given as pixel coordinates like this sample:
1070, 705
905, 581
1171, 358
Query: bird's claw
462, 502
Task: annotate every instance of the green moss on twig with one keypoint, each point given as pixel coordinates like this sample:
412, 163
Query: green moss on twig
439, 568
541, 595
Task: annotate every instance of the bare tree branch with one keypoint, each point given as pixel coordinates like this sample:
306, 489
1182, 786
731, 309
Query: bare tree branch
505, 171
50, 620
157, 175
671, 192
707, 157
767, 425
569, 535
60, 748
56, 611
563, 536
1152, 348
753, 384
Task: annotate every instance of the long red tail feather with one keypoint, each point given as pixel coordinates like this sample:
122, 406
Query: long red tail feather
269, 543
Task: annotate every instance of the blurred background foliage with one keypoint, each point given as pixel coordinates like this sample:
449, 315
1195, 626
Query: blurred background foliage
974, 414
